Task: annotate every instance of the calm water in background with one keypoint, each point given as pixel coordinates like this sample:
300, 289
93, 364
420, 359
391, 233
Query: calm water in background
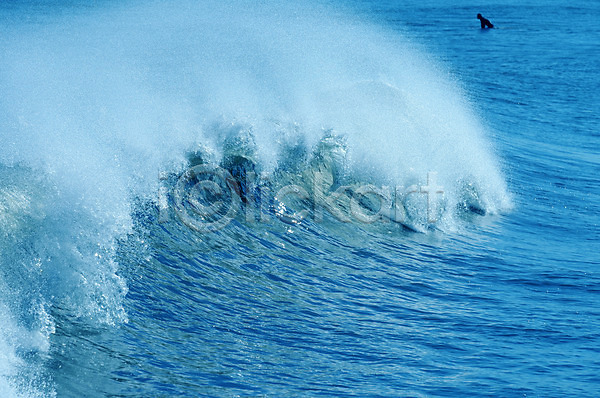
504, 304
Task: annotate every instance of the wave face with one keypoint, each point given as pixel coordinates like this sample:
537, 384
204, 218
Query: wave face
99, 101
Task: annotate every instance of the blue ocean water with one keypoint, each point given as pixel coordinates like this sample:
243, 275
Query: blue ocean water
415, 202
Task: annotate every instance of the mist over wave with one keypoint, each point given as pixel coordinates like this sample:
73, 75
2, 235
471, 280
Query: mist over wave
97, 101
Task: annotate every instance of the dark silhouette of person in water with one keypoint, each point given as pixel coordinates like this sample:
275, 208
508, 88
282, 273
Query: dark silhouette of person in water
485, 23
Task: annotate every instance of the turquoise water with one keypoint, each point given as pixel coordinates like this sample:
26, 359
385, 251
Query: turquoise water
406, 205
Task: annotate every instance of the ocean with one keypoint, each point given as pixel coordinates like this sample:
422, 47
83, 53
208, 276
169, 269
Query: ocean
277, 199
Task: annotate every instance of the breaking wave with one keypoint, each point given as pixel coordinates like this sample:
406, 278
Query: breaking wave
106, 107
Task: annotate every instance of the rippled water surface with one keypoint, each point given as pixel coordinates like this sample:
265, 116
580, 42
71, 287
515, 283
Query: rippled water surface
111, 285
